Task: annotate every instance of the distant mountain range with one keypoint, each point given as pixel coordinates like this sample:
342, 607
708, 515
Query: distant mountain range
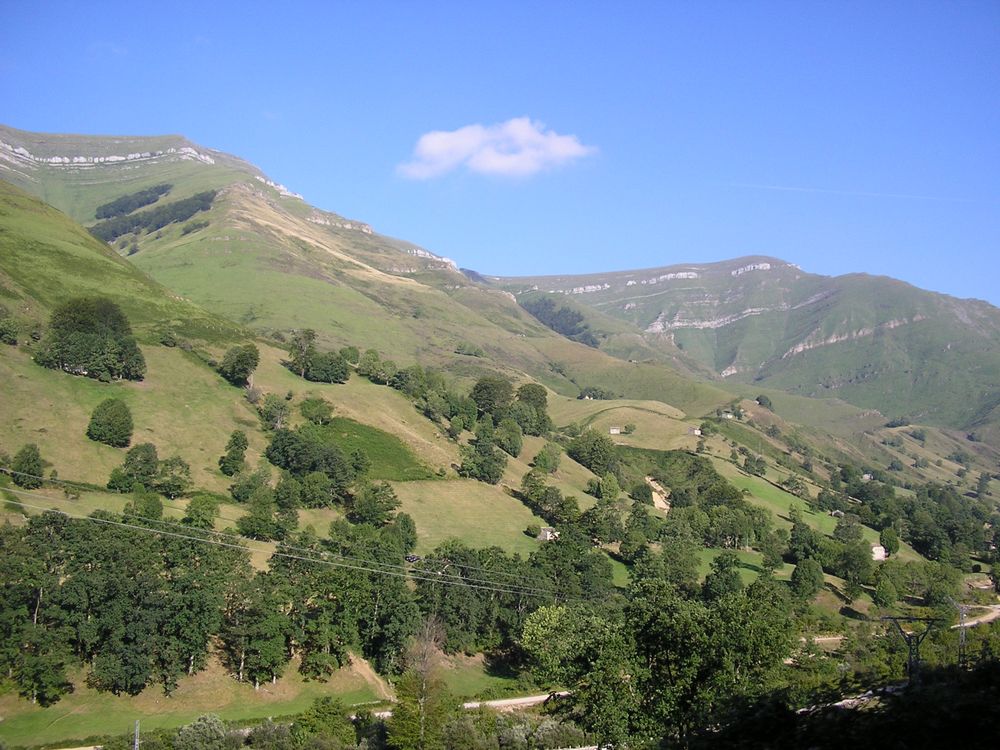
872, 341
694, 335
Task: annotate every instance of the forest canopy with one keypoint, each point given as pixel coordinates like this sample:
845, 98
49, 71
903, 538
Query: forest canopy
129, 203
154, 218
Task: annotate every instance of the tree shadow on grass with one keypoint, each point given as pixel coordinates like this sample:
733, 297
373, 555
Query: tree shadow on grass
851, 613
502, 664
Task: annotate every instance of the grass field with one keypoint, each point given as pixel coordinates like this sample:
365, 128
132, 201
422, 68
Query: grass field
467, 677
390, 457
480, 515
750, 564
182, 407
87, 713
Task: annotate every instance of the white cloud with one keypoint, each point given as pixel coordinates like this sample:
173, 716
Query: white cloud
518, 148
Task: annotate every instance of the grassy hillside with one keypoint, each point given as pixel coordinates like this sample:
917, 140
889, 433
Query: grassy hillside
46, 258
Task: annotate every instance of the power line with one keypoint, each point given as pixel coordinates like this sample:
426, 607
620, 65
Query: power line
458, 578
403, 573
511, 588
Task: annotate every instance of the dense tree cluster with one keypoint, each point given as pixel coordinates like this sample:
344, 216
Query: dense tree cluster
129, 203
935, 520
482, 459
310, 363
153, 219
668, 664
140, 608
561, 319
595, 451
91, 336
143, 468
477, 617
136, 608
308, 450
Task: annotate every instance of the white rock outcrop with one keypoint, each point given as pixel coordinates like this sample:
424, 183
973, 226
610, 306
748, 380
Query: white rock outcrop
19, 154
279, 187
815, 340
751, 267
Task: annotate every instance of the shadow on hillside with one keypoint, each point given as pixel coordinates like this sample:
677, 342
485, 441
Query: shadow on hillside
502, 665
949, 708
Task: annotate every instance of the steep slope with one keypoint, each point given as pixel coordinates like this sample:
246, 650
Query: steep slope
872, 341
263, 257
45, 258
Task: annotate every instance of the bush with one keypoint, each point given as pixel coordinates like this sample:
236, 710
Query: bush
111, 423
8, 331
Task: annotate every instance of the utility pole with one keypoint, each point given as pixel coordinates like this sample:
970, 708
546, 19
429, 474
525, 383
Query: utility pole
913, 641
963, 610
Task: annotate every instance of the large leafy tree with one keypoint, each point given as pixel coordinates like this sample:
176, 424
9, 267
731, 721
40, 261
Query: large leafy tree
139, 467
27, 467
807, 579
327, 367
111, 423
239, 363
493, 395
595, 451
254, 631
423, 703
667, 665
302, 350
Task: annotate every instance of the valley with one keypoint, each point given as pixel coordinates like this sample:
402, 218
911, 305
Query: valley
706, 446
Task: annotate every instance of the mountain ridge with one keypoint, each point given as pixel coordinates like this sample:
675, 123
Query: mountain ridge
751, 321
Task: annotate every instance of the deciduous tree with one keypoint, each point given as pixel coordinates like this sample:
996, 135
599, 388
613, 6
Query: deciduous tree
111, 423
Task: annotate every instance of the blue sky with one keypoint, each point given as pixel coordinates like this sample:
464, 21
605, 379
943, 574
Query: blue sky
570, 136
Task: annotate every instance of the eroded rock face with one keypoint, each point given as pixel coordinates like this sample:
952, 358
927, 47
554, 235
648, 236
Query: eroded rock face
816, 340
21, 155
664, 322
329, 221
281, 189
751, 267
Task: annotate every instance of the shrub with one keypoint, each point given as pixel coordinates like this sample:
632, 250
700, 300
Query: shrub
111, 423
8, 331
